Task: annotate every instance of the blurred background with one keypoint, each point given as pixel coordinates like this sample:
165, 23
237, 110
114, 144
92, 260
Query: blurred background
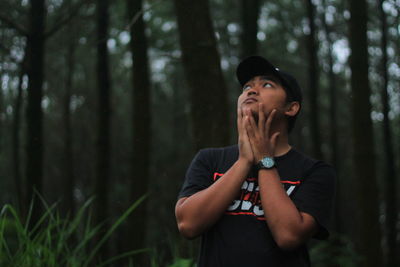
112, 99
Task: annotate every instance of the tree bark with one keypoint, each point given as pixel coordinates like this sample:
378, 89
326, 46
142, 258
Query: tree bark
35, 70
390, 171
313, 81
104, 118
250, 11
201, 61
2, 111
397, 47
68, 145
16, 128
333, 140
141, 122
369, 233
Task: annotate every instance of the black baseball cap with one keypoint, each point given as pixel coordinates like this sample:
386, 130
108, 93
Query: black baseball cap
258, 66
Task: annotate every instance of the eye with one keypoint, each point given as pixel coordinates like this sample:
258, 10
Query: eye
246, 86
268, 85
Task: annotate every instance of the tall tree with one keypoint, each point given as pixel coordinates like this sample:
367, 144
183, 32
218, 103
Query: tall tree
313, 81
69, 204
369, 234
16, 127
1, 109
250, 11
35, 70
201, 61
33, 64
104, 116
333, 115
141, 122
390, 171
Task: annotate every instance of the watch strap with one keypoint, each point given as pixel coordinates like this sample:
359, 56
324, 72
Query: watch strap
260, 165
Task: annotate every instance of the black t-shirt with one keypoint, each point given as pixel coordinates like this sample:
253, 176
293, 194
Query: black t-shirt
241, 237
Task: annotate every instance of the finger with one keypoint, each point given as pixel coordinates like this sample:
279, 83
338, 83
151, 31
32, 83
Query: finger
240, 113
240, 120
252, 121
261, 117
274, 138
249, 128
269, 122
246, 142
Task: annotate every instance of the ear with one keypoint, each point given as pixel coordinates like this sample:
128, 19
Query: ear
292, 109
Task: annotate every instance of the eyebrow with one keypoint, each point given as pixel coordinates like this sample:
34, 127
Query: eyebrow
267, 78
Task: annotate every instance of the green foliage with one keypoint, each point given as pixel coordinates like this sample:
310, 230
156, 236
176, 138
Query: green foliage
337, 251
182, 263
54, 241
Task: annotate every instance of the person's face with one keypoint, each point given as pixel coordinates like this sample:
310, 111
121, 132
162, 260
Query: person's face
262, 89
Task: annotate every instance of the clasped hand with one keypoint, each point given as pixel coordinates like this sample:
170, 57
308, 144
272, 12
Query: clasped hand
255, 138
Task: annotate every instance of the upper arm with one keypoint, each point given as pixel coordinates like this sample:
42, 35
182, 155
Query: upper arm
314, 199
198, 175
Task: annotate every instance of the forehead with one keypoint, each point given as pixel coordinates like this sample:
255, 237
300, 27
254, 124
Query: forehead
265, 78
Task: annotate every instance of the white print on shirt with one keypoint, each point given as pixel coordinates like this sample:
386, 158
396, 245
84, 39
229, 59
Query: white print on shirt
249, 202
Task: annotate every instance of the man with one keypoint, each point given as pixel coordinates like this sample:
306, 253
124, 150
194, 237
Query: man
257, 203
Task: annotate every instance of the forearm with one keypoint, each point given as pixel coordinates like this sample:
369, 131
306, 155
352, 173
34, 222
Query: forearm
288, 225
198, 212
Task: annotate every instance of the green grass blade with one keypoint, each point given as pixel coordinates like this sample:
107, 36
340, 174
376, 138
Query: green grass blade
29, 217
47, 214
22, 233
87, 237
4, 249
123, 255
113, 227
78, 217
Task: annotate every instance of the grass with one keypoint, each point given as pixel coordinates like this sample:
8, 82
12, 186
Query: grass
54, 241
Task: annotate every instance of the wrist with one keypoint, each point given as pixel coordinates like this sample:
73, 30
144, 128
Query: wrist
265, 163
244, 162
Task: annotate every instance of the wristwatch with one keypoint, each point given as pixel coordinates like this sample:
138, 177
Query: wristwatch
266, 163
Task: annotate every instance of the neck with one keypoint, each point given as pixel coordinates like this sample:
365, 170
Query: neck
282, 143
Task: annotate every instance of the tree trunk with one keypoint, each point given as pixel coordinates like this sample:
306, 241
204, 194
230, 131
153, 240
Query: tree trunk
397, 47
2, 111
313, 81
141, 122
16, 128
390, 172
369, 234
35, 66
250, 11
333, 121
104, 115
201, 61
68, 151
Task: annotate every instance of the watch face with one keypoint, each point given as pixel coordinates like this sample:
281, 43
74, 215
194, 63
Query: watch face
268, 162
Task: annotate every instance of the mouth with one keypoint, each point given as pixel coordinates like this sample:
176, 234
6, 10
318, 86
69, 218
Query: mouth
250, 100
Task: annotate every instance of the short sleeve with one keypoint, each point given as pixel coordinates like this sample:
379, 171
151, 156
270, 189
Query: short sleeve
315, 196
199, 174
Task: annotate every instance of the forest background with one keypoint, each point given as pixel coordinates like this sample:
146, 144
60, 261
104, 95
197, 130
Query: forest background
113, 99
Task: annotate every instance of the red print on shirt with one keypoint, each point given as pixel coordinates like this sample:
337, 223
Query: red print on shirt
248, 201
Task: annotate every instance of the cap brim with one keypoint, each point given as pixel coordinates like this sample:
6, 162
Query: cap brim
254, 66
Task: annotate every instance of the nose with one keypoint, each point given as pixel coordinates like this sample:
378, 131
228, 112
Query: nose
252, 91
